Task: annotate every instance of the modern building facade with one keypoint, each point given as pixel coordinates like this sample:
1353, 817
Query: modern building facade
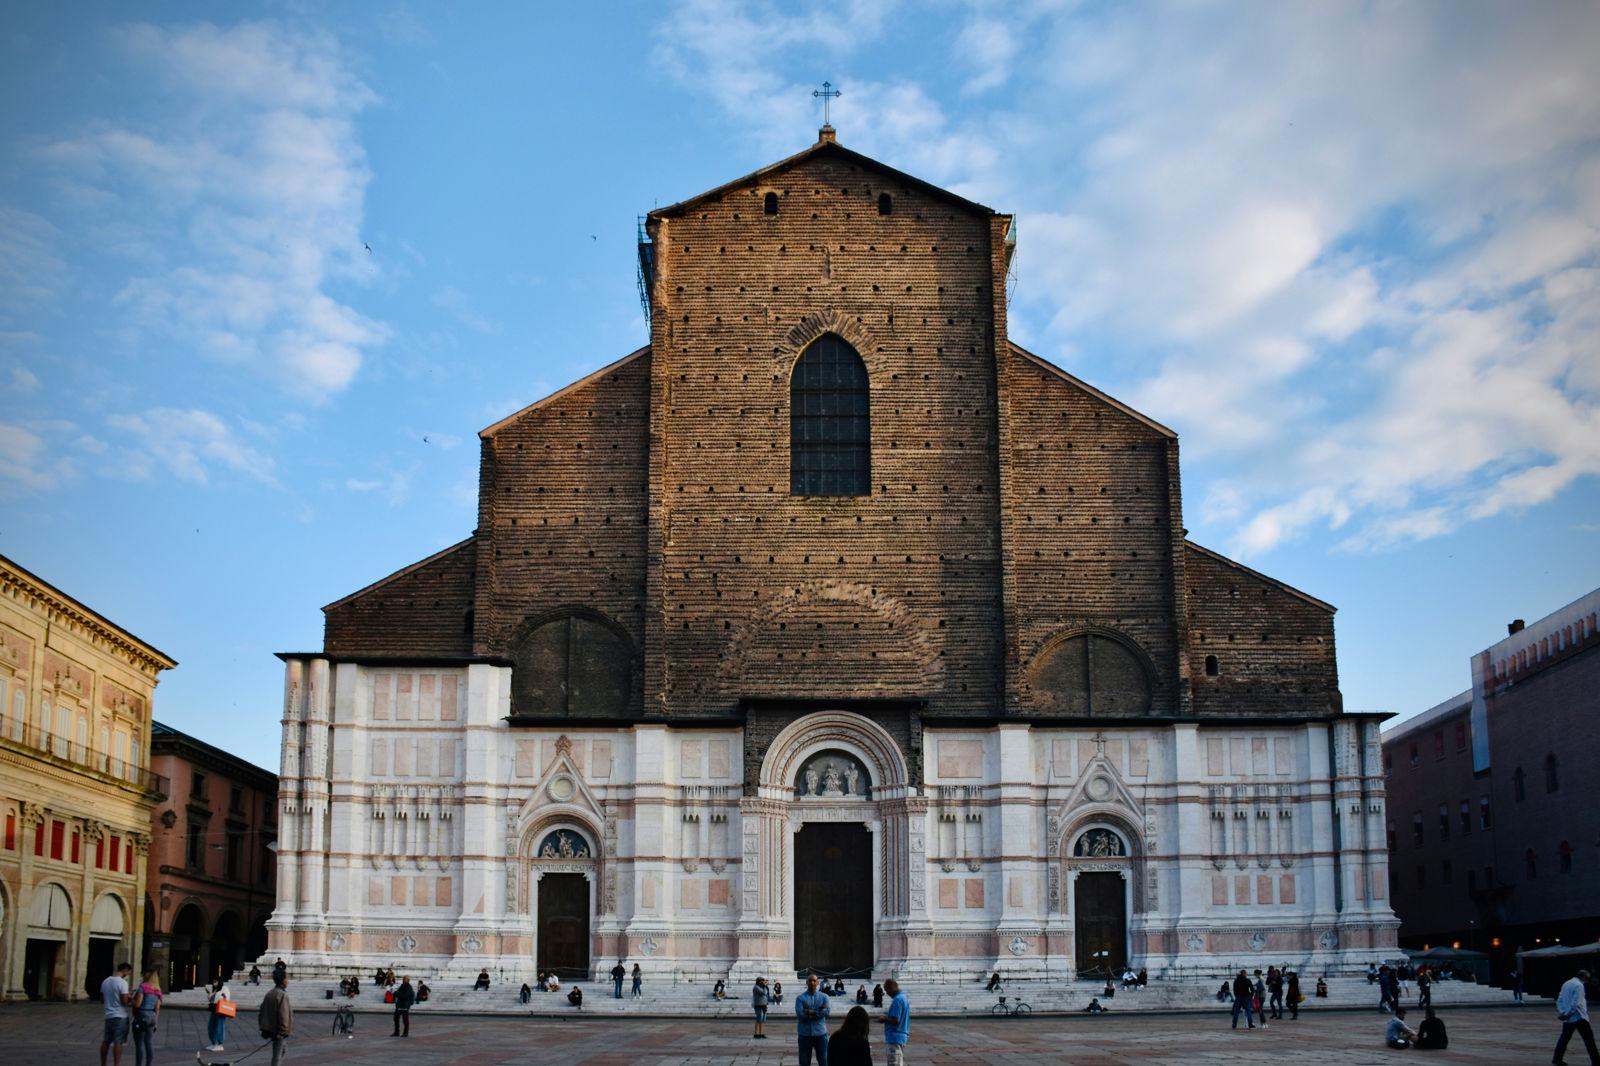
211, 869
829, 630
1494, 831
76, 789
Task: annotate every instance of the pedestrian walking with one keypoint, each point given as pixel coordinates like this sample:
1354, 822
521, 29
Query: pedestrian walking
217, 1022
1424, 989
1241, 1001
618, 972
1295, 997
1258, 999
759, 1000
404, 997
638, 982
1275, 992
850, 1046
146, 1005
276, 1017
896, 1024
1572, 1007
115, 997
1516, 985
279, 969
811, 1012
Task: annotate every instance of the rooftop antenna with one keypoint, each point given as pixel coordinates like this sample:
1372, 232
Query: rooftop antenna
828, 94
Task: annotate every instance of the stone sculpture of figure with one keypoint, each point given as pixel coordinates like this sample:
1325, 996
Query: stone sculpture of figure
566, 846
1103, 844
851, 775
811, 782
830, 781
548, 851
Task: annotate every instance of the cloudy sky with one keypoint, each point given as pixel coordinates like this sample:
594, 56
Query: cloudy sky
263, 279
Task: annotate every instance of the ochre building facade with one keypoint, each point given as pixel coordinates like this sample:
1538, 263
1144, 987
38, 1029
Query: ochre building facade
828, 630
76, 790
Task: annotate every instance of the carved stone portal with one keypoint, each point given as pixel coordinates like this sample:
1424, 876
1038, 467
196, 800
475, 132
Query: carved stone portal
832, 775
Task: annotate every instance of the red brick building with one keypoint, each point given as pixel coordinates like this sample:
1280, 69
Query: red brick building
211, 869
830, 628
1494, 830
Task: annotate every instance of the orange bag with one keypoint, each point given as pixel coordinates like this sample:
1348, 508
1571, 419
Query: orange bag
227, 1008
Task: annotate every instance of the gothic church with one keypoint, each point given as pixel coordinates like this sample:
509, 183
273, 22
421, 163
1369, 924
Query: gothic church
829, 630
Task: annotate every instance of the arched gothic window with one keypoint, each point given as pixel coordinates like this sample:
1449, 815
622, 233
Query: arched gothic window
830, 433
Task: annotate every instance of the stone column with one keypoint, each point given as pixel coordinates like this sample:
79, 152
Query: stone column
761, 931
487, 902
32, 817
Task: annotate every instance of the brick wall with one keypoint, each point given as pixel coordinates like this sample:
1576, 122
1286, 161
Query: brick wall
421, 610
1274, 646
891, 594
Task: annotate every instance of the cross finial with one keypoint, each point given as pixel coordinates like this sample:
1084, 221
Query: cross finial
1099, 742
828, 94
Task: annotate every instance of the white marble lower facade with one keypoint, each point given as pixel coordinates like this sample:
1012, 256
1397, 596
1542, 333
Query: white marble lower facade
418, 828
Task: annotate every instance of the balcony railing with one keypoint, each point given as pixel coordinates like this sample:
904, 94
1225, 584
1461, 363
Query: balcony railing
70, 753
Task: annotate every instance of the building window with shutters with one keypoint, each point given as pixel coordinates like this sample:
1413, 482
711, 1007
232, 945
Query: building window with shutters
830, 432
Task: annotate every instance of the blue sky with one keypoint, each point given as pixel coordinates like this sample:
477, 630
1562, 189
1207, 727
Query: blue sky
1348, 251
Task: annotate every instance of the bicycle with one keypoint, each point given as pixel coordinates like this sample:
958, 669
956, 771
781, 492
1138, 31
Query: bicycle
344, 1021
1015, 1009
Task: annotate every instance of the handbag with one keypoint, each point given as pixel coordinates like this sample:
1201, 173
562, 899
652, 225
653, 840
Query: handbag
388, 997
227, 1008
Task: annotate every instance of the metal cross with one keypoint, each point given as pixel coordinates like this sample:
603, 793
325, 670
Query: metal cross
828, 94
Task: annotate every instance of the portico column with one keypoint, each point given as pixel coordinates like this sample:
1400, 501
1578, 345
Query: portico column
761, 931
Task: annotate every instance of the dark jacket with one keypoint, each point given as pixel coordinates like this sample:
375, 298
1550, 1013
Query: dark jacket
276, 1017
1431, 1035
846, 1050
404, 996
1242, 989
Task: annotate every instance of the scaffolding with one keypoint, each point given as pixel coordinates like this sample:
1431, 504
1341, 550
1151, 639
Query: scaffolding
647, 268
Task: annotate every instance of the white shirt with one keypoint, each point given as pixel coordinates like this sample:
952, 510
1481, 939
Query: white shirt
1573, 1003
113, 988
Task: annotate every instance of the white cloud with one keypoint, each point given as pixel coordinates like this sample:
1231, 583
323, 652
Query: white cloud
26, 463
23, 381
241, 203
191, 445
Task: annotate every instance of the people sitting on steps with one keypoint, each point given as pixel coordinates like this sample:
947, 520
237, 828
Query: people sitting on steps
482, 983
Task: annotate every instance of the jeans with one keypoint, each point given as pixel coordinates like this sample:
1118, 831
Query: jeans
144, 1027
402, 1023
1581, 1027
638, 987
1242, 1004
217, 1028
1277, 1004
618, 982
813, 1043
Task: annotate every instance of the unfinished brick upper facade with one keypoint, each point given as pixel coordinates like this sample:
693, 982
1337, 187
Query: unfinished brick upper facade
1012, 506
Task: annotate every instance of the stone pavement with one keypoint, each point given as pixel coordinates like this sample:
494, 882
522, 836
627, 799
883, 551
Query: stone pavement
54, 1034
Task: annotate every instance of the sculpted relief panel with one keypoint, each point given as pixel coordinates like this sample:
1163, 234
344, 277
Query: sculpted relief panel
832, 775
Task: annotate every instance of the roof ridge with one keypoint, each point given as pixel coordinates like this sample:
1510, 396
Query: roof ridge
1284, 585
403, 571
1097, 393
562, 391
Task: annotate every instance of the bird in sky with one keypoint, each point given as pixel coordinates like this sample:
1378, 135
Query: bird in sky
367, 246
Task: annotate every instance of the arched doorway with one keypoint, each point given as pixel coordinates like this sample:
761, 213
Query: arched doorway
562, 871
227, 939
107, 928
188, 943
1100, 867
837, 836
45, 955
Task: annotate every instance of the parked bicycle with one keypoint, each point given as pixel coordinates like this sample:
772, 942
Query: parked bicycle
344, 1021
1009, 1008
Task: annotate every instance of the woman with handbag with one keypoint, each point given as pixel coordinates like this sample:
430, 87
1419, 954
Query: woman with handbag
146, 1005
222, 1008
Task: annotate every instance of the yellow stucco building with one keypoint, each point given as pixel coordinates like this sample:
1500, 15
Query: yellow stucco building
76, 791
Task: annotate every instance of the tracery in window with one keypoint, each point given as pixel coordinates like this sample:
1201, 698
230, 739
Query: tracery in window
830, 434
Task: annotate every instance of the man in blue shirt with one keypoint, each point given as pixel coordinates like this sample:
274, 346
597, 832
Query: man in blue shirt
896, 1023
811, 1014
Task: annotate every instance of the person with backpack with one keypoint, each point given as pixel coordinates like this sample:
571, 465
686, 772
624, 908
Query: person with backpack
217, 1022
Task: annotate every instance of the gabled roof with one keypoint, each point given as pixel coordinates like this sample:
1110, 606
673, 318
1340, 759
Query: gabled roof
1045, 364
382, 581
586, 379
1290, 589
824, 146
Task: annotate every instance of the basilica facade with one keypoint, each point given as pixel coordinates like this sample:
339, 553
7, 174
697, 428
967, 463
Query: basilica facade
829, 630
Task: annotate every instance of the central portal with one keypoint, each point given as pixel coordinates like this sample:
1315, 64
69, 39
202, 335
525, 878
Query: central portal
564, 924
1102, 927
833, 899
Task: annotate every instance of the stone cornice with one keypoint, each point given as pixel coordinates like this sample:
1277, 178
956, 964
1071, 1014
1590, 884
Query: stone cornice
19, 584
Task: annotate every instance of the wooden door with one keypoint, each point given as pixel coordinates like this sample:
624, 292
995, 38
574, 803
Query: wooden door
833, 899
1101, 910
564, 924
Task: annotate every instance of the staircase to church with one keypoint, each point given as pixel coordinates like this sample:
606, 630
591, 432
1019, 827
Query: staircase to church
956, 998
